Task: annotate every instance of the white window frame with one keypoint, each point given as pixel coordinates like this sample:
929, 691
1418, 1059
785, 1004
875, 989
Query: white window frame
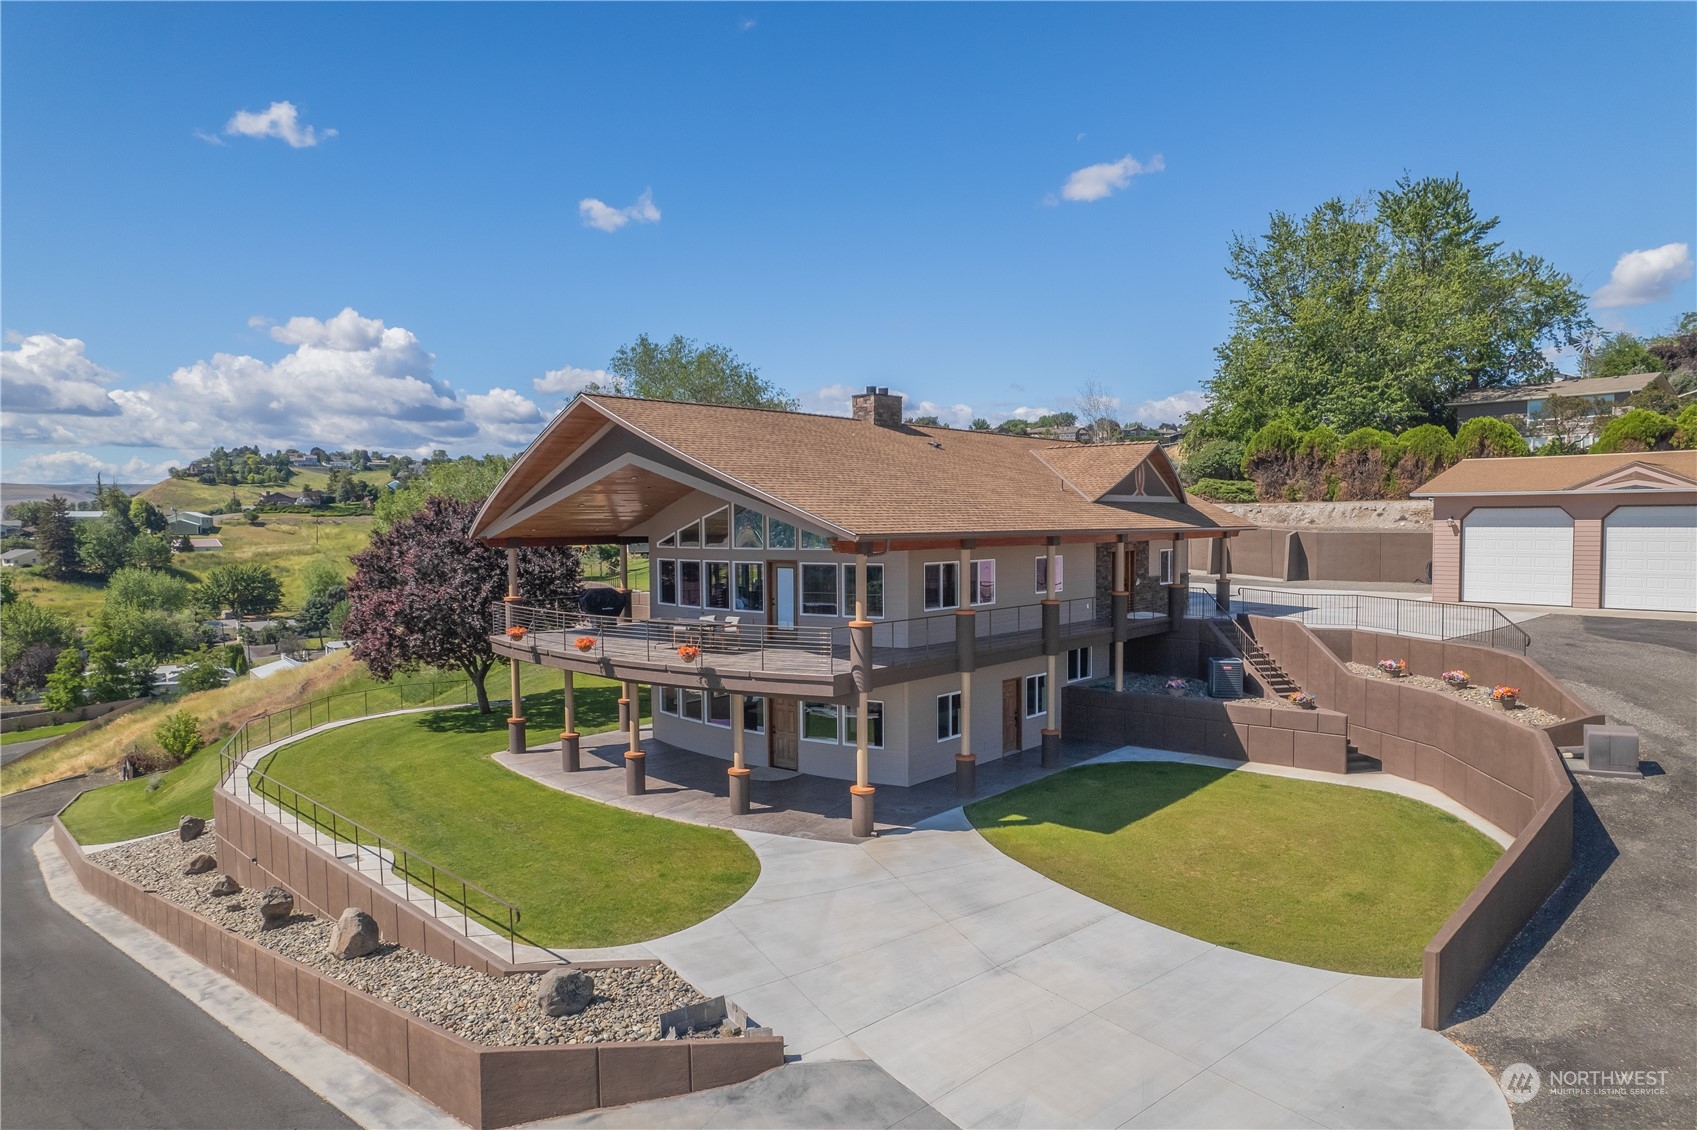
836, 582
760, 528
802, 537
729, 529
848, 590
925, 584
736, 588
694, 529
953, 716
1040, 681
760, 702
1042, 574
700, 584
977, 568
772, 526
670, 541
801, 727
707, 708
683, 699
707, 588
1081, 664
846, 715
676, 699
660, 564
1169, 566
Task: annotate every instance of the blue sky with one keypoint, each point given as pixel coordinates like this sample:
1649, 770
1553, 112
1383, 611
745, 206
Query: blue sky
402, 257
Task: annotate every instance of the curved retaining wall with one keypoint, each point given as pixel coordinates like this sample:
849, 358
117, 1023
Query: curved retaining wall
1510, 774
482, 1086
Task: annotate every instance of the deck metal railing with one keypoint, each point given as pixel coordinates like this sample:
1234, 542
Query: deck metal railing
741, 647
1469, 623
995, 629
359, 846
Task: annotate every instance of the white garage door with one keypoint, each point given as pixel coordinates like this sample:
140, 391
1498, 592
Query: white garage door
1650, 558
1517, 556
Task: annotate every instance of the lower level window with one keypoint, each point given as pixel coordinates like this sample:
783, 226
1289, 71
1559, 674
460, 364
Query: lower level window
668, 700
1078, 664
691, 704
754, 714
719, 708
1036, 695
818, 722
948, 716
874, 725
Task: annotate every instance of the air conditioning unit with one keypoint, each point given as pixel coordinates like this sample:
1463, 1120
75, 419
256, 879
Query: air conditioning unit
1225, 678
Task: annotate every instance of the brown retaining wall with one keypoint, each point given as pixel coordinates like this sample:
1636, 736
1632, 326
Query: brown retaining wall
482, 1086
1326, 555
21, 720
1244, 730
1510, 774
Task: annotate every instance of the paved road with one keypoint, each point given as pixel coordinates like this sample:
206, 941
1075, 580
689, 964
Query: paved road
1605, 976
92, 1039
11, 751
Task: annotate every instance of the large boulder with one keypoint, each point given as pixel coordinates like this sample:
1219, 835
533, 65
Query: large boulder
201, 864
275, 906
565, 991
355, 934
190, 828
226, 885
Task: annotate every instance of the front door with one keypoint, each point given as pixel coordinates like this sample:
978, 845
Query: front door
1010, 716
782, 732
780, 611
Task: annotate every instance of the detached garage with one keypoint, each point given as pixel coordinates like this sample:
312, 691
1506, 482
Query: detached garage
1581, 531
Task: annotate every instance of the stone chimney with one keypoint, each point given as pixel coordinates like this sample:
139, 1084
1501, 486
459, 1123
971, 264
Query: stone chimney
877, 406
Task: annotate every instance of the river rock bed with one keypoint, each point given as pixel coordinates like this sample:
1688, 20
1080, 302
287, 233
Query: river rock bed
1477, 695
485, 1009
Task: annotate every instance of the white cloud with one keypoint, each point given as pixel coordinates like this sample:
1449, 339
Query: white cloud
955, 415
1645, 276
82, 467
607, 218
1168, 409
570, 381
747, 23
349, 381
50, 374
280, 120
1095, 182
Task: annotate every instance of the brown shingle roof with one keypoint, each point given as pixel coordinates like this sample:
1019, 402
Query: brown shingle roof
874, 482
1538, 474
1578, 386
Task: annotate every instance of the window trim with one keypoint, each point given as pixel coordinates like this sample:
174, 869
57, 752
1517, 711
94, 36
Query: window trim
707, 568
801, 723
736, 585
729, 529
773, 524
683, 700
660, 570
1083, 660
843, 716
974, 568
954, 717
802, 534
700, 584
748, 699
848, 590
677, 701
836, 585
670, 541
694, 528
925, 585
1169, 566
1042, 678
760, 528
707, 708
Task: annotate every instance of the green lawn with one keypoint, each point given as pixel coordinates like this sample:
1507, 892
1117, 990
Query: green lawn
128, 809
584, 873
1340, 878
39, 732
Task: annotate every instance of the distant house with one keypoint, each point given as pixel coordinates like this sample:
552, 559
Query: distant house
1526, 401
192, 523
205, 543
310, 498
10, 528
304, 461
85, 515
275, 498
17, 558
341, 465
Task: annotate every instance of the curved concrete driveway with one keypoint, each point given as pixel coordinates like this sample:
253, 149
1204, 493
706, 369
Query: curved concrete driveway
1002, 998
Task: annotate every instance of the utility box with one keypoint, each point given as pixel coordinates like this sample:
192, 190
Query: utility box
1225, 678
1612, 750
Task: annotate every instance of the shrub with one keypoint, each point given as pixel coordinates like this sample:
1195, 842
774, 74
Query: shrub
1425, 451
1638, 430
1216, 459
1270, 457
1560, 446
1224, 490
1311, 463
1685, 429
1363, 464
179, 734
1486, 437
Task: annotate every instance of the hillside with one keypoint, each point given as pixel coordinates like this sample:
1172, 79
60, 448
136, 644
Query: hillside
186, 494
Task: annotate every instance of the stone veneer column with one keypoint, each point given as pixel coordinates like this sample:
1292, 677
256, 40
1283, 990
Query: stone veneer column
1052, 649
739, 773
966, 657
515, 721
860, 663
1120, 601
636, 768
569, 736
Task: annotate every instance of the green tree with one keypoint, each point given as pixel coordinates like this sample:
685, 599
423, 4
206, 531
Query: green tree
56, 540
178, 734
146, 517
1376, 314
1637, 430
1618, 354
926, 422
1364, 463
1014, 426
979, 424
24, 623
247, 590
320, 576
1654, 398
147, 590
465, 479
1564, 420
113, 679
1057, 420
1269, 459
150, 551
682, 370
203, 671
1486, 437
1215, 459
64, 686
1684, 437
8, 589
103, 545
1424, 451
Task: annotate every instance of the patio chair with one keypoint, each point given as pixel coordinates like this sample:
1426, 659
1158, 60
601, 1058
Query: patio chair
730, 636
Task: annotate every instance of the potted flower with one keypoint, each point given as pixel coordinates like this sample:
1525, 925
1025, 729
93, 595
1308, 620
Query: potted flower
1395, 668
584, 643
689, 653
516, 632
1178, 687
1456, 678
1506, 697
1304, 700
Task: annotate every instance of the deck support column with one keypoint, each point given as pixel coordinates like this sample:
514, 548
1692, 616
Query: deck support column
739, 772
636, 762
966, 658
1121, 600
516, 742
624, 580
1052, 649
861, 821
569, 736
1223, 583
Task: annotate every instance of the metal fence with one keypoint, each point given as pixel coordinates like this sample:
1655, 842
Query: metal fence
994, 629
360, 846
718, 641
1425, 619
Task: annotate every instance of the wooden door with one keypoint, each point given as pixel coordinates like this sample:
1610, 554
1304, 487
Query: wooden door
1011, 730
782, 733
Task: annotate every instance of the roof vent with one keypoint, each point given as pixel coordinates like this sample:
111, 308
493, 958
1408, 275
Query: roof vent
877, 406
